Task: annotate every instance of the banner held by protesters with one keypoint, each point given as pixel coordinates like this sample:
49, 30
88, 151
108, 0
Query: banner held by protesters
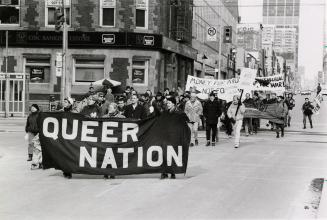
114, 146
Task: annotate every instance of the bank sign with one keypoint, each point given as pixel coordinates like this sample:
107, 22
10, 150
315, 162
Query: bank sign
82, 39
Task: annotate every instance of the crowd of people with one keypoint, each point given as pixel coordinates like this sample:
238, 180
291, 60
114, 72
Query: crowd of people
210, 114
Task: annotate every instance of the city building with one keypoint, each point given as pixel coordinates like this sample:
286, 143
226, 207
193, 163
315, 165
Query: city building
249, 37
284, 16
140, 43
213, 13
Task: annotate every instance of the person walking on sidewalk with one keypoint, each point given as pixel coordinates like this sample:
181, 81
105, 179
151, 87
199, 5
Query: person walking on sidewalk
307, 108
211, 113
290, 102
32, 129
193, 110
281, 110
236, 113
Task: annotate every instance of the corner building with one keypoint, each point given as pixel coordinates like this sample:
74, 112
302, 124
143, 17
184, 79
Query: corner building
141, 43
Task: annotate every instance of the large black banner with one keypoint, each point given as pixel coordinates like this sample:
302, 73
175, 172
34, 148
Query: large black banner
272, 112
114, 146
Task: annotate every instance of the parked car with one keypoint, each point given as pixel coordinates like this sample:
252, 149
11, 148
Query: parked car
306, 92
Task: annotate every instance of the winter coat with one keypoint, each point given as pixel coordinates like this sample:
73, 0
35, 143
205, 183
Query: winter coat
232, 110
272, 101
137, 113
158, 107
248, 103
193, 110
290, 103
92, 111
31, 123
212, 111
282, 109
307, 108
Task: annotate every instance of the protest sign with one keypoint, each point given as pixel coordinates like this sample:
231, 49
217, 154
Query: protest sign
225, 89
317, 103
114, 146
271, 112
247, 78
269, 83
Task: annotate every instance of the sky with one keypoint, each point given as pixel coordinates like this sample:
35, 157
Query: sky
310, 36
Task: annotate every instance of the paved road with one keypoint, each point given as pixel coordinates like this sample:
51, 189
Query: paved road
265, 178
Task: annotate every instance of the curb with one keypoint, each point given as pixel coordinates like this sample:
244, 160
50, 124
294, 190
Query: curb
322, 212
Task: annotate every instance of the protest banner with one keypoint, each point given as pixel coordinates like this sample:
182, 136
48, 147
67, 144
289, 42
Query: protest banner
225, 89
269, 83
271, 112
317, 103
247, 78
114, 146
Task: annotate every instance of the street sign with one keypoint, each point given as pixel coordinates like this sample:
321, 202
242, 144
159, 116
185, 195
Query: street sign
211, 34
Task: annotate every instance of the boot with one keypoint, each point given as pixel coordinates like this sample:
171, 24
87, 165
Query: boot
196, 142
30, 156
311, 125
67, 175
164, 176
172, 176
277, 135
105, 177
282, 132
208, 143
112, 177
213, 144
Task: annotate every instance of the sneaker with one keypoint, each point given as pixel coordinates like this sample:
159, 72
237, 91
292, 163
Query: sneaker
213, 144
247, 135
196, 142
34, 166
236, 145
208, 143
304, 127
277, 136
172, 176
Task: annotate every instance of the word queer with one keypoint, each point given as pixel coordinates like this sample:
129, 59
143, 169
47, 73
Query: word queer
86, 130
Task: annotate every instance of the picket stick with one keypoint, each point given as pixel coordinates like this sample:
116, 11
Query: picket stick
239, 102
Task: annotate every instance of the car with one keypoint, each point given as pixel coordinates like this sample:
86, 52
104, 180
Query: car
323, 91
306, 92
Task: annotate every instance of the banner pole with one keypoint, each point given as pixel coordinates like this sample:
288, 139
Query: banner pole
239, 102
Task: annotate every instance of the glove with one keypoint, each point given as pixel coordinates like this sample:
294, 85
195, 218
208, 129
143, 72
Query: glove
232, 120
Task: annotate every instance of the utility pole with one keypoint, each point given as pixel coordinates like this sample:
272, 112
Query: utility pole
7, 80
220, 42
63, 89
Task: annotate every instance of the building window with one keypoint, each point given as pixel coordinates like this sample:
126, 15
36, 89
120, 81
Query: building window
107, 12
50, 11
87, 71
39, 69
9, 12
140, 71
141, 14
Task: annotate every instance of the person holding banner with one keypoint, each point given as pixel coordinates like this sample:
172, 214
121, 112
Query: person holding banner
282, 110
248, 103
307, 108
193, 110
290, 102
211, 113
236, 114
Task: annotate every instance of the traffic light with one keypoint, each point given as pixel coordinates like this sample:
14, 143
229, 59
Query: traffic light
59, 19
227, 34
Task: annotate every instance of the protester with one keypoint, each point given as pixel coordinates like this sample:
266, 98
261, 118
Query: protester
67, 105
37, 153
135, 110
211, 113
158, 104
32, 129
281, 110
92, 110
166, 92
236, 114
193, 110
318, 88
307, 108
290, 102
121, 105
109, 96
257, 104
272, 100
248, 103
227, 122
186, 98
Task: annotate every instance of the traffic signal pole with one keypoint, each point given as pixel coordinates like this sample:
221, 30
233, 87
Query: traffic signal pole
7, 97
63, 90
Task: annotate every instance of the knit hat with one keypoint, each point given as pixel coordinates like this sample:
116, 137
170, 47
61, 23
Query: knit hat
70, 100
212, 94
172, 99
36, 106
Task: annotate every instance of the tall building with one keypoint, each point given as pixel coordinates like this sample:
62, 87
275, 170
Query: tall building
213, 13
141, 43
284, 15
249, 37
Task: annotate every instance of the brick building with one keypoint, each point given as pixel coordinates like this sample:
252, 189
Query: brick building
141, 43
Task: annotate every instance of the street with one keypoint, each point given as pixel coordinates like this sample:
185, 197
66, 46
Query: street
265, 178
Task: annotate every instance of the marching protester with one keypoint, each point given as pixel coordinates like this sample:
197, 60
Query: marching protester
193, 110
32, 129
236, 113
92, 110
109, 96
135, 110
211, 113
257, 104
158, 104
248, 103
318, 88
307, 108
281, 110
227, 122
113, 112
290, 102
121, 105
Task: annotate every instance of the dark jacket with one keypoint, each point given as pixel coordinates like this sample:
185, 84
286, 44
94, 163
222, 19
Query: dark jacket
248, 103
137, 113
307, 108
211, 111
31, 123
290, 103
158, 107
272, 101
92, 111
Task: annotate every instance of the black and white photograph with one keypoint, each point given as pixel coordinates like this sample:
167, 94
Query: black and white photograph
163, 109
